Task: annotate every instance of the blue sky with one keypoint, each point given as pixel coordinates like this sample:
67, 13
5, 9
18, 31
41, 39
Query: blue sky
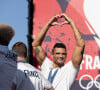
15, 13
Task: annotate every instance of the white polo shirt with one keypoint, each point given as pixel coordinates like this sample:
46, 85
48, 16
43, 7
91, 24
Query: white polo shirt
37, 79
65, 76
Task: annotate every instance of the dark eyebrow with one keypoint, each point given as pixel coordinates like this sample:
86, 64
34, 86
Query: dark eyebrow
57, 53
62, 53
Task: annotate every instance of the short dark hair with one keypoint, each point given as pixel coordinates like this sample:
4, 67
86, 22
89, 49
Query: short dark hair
58, 45
6, 34
20, 48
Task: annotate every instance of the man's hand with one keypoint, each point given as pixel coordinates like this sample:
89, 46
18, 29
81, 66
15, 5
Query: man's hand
54, 20
67, 19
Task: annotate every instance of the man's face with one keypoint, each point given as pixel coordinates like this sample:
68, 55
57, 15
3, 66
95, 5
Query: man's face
59, 56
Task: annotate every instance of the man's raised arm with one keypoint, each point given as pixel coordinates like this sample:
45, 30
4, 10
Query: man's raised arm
37, 42
80, 43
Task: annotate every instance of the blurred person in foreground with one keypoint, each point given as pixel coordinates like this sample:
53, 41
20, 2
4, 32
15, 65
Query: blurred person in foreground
8, 65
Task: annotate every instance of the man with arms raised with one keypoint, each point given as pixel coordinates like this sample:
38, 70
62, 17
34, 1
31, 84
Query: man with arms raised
61, 76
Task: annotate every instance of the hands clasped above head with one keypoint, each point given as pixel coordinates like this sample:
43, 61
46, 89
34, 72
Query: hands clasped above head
60, 20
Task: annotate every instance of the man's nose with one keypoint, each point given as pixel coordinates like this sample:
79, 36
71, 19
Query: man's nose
61, 55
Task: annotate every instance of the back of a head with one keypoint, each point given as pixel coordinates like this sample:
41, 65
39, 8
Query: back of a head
58, 45
6, 34
20, 48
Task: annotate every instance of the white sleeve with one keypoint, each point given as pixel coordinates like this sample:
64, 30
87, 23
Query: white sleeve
45, 67
72, 73
46, 63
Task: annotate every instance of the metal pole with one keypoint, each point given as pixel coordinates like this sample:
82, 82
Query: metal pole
30, 29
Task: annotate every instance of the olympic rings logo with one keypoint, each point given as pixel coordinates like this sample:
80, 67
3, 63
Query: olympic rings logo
91, 83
